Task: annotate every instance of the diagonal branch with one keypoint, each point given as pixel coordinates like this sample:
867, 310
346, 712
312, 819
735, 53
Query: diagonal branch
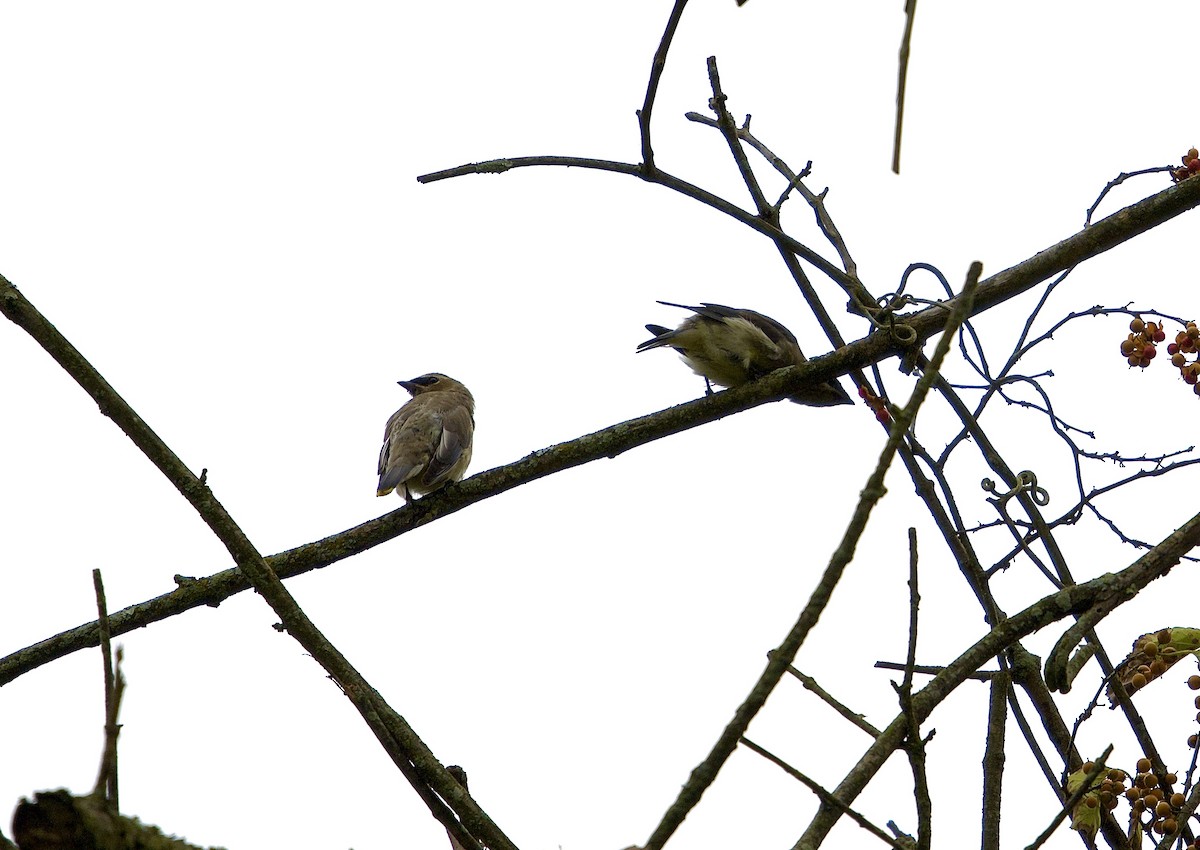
657, 66
418, 764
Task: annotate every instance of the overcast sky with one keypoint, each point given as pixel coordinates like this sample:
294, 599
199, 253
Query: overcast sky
217, 204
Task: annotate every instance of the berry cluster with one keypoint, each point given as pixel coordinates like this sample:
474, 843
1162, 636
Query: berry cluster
1153, 654
1187, 342
1138, 348
1145, 795
1191, 166
1154, 804
1141, 346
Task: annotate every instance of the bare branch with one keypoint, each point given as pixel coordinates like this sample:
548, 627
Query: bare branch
114, 687
823, 794
910, 13
657, 66
993, 763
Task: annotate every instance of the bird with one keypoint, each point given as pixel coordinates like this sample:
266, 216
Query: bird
729, 347
427, 442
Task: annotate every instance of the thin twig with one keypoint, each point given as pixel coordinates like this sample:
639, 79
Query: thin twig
729, 131
796, 181
114, 686
933, 670
910, 12
823, 794
811, 684
1117, 181
915, 745
993, 762
657, 66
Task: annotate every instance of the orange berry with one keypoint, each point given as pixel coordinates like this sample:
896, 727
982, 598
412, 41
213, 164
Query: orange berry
1143, 765
1137, 325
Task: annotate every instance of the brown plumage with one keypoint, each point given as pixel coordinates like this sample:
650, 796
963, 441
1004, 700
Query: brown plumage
427, 443
730, 347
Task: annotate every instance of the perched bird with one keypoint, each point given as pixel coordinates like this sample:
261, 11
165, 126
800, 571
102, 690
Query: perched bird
731, 347
427, 443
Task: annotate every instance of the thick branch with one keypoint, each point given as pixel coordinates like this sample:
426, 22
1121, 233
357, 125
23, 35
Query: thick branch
1105, 234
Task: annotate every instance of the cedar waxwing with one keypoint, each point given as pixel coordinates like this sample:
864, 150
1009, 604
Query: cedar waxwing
731, 347
427, 443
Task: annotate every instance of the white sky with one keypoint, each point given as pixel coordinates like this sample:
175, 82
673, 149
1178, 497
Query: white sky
217, 204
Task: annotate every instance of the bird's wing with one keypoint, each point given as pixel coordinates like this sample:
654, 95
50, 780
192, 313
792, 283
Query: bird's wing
776, 333
716, 312
394, 424
397, 458
772, 329
457, 425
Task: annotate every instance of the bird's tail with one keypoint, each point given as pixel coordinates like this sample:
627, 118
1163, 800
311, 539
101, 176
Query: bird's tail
662, 336
393, 478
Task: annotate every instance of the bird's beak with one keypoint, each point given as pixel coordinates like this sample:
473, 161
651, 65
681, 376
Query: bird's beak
408, 385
